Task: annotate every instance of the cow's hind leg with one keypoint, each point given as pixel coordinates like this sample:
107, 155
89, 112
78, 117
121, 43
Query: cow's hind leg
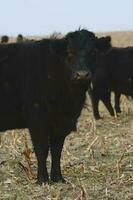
56, 145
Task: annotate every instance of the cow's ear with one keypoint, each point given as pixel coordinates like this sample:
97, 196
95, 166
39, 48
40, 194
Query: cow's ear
108, 38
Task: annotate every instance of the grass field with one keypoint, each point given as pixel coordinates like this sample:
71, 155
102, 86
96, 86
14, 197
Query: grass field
97, 161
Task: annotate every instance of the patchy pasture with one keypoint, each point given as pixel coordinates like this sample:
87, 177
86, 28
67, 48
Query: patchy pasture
97, 160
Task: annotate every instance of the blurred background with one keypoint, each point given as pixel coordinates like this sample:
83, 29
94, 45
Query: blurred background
39, 17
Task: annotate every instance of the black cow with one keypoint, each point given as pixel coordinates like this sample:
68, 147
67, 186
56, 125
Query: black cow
114, 73
20, 38
42, 88
4, 39
102, 47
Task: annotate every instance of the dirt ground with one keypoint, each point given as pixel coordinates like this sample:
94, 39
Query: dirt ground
97, 160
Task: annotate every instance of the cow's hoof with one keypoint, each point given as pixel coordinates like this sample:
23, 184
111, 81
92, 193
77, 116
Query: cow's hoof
98, 118
112, 114
58, 179
118, 114
42, 181
118, 110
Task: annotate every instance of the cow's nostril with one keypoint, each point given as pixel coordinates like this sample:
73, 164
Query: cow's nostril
82, 75
78, 74
88, 75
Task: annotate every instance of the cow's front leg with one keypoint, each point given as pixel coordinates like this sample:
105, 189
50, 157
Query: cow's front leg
39, 130
41, 147
95, 102
107, 102
56, 145
117, 102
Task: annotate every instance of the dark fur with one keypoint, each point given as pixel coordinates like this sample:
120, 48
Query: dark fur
38, 91
103, 45
114, 73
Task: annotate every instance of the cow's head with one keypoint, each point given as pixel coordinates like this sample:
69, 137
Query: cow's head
97, 49
4, 39
78, 46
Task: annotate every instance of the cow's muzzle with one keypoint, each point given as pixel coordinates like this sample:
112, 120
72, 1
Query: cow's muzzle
82, 75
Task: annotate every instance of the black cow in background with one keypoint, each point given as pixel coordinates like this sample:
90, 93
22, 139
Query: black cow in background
102, 47
20, 38
114, 73
4, 39
42, 88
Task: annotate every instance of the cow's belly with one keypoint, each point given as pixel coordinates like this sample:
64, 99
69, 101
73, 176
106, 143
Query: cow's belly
11, 114
62, 123
8, 122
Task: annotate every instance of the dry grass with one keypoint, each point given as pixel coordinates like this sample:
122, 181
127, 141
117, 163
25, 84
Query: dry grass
97, 161
120, 39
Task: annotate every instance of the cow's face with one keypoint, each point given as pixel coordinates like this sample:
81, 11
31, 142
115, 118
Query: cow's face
78, 46
97, 50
